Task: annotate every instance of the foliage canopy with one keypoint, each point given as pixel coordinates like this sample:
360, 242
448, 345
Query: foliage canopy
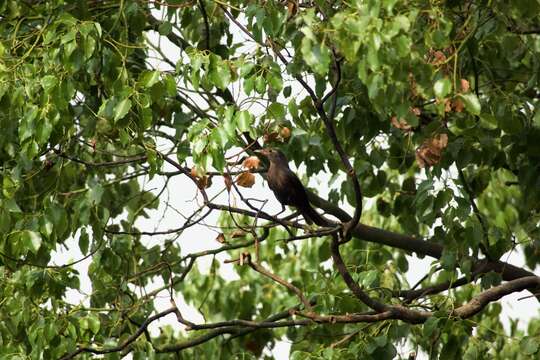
422, 117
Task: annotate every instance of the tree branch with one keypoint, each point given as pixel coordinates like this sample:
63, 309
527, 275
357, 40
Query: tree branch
495, 293
122, 346
260, 269
206, 24
421, 247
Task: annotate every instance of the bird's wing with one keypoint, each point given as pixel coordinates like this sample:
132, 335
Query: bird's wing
297, 195
286, 186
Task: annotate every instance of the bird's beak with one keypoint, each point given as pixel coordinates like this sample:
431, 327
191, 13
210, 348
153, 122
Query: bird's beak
263, 152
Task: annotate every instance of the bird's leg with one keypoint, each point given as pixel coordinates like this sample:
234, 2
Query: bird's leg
283, 209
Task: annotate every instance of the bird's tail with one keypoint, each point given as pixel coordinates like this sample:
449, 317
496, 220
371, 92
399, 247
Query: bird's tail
312, 216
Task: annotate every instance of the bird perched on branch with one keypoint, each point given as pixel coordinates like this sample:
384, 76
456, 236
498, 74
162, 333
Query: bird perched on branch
287, 187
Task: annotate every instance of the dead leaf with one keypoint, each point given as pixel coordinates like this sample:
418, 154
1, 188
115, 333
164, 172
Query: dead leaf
292, 8
430, 152
251, 162
204, 182
285, 133
447, 105
93, 143
245, 179
228, 182
412, 84
238, 234
47, 164
401, 124
270, 137
465, 86
458, 105
438, 57
221, 238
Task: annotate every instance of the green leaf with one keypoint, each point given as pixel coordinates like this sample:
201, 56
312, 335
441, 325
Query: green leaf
276, 111
43, 130
48, 82
11, 205
375, 84
199, 145
260, 85
220, 136
10, 185
27, 125
98, 29
529, 345
316, 55
373, 57
488, 121
165, 28
448, 260
148, 78
218, 158
146, 117
403, 45
368, 278
275, 81
442, 88
472, 104
89, 47
249, 85
93, 323
430, 326
121, 109
59, 217
84, 241
287, 91
293, 108
244, 120
31, 240
380, 340
220, 76
386, 352
536, 119
170, 85
246, 68
46, 226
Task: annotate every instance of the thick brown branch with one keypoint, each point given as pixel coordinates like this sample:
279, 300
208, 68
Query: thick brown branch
396, 311
351, 284
421, 247
495, 293
227, 328
242, 327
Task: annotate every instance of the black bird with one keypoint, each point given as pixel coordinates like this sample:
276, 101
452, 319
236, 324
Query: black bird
287, 187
